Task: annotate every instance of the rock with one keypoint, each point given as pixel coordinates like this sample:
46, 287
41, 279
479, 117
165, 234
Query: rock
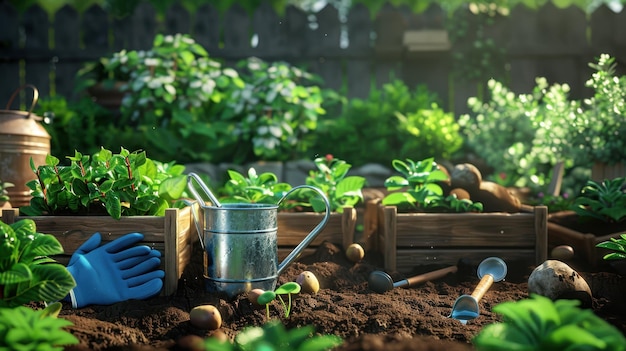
495, 198
466, 176
556, 280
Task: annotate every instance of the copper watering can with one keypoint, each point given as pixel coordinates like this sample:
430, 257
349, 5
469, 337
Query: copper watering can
240, 241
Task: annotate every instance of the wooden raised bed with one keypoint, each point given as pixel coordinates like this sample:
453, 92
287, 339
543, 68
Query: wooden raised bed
583, 242
172, 234
407, 240
293, 227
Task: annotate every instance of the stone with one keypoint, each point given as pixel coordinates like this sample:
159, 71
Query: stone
466, 176
556, 280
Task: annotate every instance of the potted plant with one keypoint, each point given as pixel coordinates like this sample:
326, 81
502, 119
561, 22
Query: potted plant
114, 194
419, 223
4, 194
299, 213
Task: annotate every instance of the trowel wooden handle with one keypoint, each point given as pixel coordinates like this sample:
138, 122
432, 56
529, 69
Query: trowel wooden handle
431, 275
482, 287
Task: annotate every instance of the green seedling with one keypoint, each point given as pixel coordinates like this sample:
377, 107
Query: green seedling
23, 328
285, 289
617, 245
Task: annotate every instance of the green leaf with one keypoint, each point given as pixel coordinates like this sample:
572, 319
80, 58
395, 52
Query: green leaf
113, 206
288, 288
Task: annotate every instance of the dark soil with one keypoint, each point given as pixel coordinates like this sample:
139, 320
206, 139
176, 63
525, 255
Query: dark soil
402, 319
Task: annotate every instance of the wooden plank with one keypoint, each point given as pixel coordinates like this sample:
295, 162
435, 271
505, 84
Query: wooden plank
143, 27
348, 225
236, 28
607, 32
269, 29
95, 28
206, 28
408, 259
297, 30
294, 227
177, 20
389, 235
541, 234
465, 229
9, 40
359, 70
35, 24
67, 31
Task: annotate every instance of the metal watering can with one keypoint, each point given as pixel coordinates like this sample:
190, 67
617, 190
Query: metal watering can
240, 242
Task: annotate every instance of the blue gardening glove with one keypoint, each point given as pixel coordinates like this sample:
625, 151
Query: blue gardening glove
117, 271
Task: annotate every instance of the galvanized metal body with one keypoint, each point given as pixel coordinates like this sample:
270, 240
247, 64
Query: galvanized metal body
240, 247
240, 242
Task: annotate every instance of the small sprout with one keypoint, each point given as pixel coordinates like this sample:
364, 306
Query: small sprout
253, 296
308, 281
355, 252
206, 317
287, 289
265, 299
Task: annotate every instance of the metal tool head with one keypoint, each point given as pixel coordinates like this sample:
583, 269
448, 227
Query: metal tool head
465, 308
380, 282
494, 266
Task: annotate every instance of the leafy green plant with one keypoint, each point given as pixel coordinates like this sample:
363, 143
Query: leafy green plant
617, 245
331, 177
23, 328
275, 113
27, 274
4, 194
527, 134
124, 184
538, 324
288, 289
604, 200
174, 94
255, 188
598, 132
369, 130
273, 336
418, 189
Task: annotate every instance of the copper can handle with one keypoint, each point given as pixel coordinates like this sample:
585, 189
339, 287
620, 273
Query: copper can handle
35, 97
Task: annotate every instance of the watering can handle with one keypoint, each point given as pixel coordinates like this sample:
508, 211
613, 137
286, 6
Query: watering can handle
207, 191
295, 253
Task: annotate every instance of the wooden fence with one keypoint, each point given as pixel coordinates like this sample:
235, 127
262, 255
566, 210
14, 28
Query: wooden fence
550, 42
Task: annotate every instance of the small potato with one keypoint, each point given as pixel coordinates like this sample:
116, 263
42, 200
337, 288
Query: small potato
205, 317
308, 282
355, 252
562, 252
253, 295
